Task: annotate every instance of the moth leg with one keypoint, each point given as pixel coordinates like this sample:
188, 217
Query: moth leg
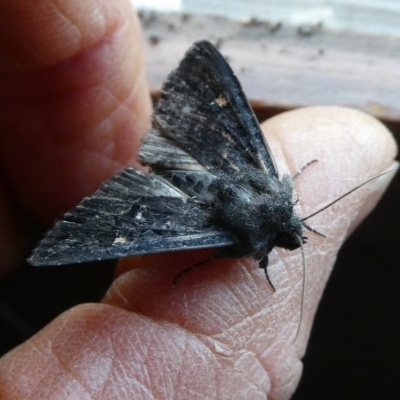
263, 264
313, 230
193, 267
303, 168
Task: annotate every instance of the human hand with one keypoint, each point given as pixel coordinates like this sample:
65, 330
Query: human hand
221, 332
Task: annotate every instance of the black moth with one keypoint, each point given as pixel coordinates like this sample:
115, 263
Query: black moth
213, 181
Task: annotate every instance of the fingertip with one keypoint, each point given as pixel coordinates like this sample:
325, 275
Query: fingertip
351, 147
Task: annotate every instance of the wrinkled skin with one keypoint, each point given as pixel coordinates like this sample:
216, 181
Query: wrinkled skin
74, 104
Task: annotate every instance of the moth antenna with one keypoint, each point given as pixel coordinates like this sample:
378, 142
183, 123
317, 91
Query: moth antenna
312, 230
344, 195
303, 286
303, 168
308, 227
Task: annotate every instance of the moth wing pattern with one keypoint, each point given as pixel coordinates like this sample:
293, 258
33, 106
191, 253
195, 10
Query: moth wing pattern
133, 213
203, 120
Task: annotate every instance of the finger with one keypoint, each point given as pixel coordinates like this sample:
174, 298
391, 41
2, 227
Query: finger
351, 147
74, 104
222, 329
72, 114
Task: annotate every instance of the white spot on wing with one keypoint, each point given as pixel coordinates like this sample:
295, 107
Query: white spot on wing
139, 216
119, 240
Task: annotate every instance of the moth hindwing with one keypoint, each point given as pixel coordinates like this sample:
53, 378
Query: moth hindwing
213, 181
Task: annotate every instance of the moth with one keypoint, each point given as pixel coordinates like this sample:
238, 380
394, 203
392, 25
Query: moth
213, 181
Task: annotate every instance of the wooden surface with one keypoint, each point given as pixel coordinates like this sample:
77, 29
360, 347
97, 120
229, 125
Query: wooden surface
285, 67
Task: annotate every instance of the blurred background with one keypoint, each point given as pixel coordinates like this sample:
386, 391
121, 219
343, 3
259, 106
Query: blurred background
286, 54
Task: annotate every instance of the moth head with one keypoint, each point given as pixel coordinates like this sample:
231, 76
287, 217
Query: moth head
288, 234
